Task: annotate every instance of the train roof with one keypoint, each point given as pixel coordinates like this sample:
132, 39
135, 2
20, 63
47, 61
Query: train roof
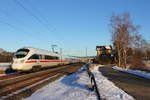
41, 51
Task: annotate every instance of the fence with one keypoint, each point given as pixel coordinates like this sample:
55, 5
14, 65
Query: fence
93, 82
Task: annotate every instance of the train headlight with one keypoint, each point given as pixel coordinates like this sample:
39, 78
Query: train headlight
22, 61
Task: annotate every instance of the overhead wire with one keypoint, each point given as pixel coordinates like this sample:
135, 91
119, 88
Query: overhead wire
41, 15
44, 19
33, 15
3, 12
14, 27
28, 35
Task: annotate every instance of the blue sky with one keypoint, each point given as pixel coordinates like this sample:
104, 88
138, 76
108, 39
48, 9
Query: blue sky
71, 24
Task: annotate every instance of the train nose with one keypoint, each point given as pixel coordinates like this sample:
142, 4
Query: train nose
16, 65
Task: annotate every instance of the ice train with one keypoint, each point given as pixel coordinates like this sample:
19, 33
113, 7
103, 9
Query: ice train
26, 59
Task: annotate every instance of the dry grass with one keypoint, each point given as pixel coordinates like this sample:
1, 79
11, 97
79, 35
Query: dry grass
2, 71
140, 65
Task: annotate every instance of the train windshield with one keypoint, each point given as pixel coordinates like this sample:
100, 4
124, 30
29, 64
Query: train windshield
21, 53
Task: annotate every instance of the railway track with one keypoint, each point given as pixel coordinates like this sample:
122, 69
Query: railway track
15, 83
4, 77
16, 74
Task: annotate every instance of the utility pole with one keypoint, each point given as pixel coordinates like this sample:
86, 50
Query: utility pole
61, 53
86, 54
53, 47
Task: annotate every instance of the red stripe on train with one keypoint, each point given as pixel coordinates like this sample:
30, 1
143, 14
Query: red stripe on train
30, 61
54, 61
45, 61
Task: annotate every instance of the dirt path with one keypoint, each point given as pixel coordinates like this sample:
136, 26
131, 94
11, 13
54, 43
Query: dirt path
136, 86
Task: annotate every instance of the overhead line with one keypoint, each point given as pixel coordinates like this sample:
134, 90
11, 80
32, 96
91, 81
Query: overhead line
15, 28
38, 19
27, 10
12, 26
41, 16
3, 12
39, 13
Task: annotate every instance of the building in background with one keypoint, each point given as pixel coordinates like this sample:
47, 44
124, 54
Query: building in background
104, 50
104, 54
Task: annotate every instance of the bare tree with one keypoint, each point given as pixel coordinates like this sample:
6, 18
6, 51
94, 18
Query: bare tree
138, 42
121, 29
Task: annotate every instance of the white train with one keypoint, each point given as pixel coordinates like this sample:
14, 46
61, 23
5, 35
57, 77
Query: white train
26, 59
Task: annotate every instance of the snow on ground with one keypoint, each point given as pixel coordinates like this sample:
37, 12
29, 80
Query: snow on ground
107, 89
74, 87
135, 72
4, 66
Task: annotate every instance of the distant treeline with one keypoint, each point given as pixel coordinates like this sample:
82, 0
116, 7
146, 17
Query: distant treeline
6, 57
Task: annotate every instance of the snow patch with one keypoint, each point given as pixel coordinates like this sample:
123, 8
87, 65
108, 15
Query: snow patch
4, 66
107, 89
74, 87
135, 72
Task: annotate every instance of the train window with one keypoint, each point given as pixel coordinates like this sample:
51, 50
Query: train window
47, 57
34, 56
57, 58
40, 57
25, 50
21, 53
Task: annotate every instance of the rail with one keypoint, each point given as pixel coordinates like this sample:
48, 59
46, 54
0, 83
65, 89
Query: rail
11, 87
93, 82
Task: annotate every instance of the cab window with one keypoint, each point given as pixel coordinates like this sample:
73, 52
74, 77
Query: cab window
21, 53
